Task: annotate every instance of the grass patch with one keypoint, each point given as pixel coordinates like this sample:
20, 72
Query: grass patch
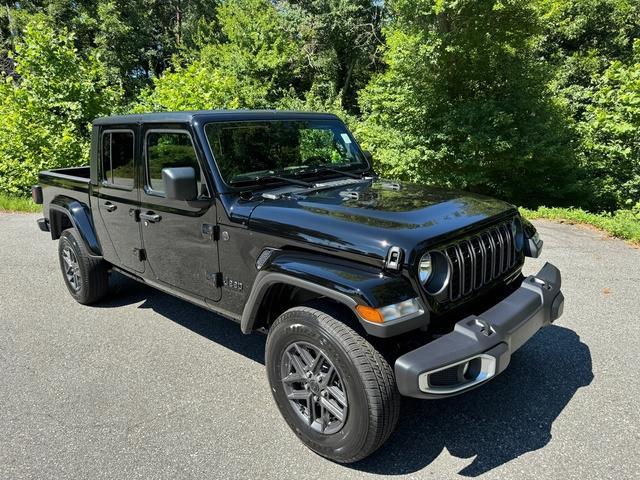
18, 204
623, 224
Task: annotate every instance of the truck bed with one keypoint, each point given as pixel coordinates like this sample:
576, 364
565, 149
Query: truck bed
82, 174
71, 183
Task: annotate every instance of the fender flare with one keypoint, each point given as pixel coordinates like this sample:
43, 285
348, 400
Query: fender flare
79, 214
347, 282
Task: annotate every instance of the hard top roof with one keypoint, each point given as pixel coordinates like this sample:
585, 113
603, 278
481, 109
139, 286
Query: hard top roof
212, 115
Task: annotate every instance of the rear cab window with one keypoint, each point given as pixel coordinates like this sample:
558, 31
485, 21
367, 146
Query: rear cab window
117, 159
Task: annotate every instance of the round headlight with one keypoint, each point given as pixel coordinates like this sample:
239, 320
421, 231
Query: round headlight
425, 268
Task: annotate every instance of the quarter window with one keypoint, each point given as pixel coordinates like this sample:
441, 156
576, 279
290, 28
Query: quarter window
117, 158
169, 150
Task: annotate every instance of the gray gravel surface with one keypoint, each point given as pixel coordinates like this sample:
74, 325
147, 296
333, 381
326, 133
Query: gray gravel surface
148, 386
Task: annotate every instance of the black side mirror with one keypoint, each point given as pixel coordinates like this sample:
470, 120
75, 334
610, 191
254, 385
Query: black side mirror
368, 156
180, 183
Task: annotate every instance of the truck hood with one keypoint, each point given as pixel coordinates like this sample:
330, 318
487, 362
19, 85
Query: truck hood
368, 216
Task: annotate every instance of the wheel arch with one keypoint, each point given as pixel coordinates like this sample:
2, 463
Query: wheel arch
306, 276
274, 292
66, 212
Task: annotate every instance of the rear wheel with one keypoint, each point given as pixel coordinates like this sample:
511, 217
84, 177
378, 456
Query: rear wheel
85, 275
336, 392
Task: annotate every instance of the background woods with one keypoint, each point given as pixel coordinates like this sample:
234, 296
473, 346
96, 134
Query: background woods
534, 101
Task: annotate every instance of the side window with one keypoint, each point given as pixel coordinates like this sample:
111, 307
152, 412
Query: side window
168, 150
117, 158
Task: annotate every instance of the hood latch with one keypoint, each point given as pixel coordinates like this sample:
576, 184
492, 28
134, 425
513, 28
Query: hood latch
394, 259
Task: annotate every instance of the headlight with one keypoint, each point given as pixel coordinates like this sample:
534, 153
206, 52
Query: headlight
434, 272
402, 309
425, 268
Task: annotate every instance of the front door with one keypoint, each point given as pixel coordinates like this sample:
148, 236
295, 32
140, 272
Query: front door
178, 236
118, 197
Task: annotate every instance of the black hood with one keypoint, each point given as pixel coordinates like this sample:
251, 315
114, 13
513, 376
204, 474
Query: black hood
369, 216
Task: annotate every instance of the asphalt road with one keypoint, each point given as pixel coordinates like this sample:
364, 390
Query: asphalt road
148, 386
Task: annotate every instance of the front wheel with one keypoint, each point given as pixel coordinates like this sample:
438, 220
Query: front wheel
336, 392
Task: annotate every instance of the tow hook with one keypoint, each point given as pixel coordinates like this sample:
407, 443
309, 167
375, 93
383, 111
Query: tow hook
486, 329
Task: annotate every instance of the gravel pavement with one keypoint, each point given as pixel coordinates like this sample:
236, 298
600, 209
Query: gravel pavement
148, 386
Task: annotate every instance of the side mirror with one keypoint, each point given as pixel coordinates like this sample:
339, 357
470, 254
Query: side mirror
368, 156
180, 183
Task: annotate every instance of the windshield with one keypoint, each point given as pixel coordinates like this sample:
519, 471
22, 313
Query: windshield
251, 151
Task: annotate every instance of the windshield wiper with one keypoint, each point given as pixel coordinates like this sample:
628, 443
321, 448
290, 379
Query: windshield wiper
321, 168
267, 178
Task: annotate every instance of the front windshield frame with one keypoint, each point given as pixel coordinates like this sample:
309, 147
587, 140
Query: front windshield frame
363, 165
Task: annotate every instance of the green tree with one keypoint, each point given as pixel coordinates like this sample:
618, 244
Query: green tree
464, 102
589, 44
135, 39
46, 112
611, 132
254, 61
342, 41
580, 39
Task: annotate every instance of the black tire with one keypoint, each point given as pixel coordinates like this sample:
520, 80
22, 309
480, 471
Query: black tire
372, 402
92, 282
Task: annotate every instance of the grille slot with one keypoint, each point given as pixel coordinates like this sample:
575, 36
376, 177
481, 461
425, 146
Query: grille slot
480, 259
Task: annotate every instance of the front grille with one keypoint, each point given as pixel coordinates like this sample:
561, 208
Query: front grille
480, 259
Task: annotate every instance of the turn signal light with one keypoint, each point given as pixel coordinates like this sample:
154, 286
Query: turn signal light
389, 313
370, 314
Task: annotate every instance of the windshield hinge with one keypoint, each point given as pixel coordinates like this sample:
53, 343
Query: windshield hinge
212, 232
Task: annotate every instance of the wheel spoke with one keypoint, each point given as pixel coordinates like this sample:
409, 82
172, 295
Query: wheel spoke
294, 377
311, 403
323, 418
298, 395
326, 378
333, 409
317, 363
306, 358
338, 395
297, 364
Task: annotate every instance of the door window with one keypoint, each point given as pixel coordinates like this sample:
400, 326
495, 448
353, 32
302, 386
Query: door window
169, 150
117, 158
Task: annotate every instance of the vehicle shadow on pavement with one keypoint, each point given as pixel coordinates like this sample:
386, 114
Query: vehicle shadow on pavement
496, 423
223, 331
510, 416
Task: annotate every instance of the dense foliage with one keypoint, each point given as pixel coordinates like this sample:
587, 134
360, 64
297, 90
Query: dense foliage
47, 110
535, 101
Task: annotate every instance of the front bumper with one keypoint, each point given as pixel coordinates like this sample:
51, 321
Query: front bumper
480, 346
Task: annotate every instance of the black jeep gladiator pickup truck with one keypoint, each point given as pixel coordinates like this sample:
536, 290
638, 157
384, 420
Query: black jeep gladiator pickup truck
368, 289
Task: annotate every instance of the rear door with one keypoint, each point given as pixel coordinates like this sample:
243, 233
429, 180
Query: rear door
179, 237
118, 196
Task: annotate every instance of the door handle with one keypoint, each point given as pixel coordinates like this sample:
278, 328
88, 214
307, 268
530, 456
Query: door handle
110, 207
150, 217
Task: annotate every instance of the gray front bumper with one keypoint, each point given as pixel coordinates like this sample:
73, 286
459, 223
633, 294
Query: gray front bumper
480, 346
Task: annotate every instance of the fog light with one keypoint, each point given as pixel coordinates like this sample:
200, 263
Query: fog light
458, 376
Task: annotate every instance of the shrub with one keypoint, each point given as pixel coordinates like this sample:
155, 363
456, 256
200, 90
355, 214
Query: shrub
46, 111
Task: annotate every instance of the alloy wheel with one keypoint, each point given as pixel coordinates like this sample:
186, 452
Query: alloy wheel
314, 387
71, 268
